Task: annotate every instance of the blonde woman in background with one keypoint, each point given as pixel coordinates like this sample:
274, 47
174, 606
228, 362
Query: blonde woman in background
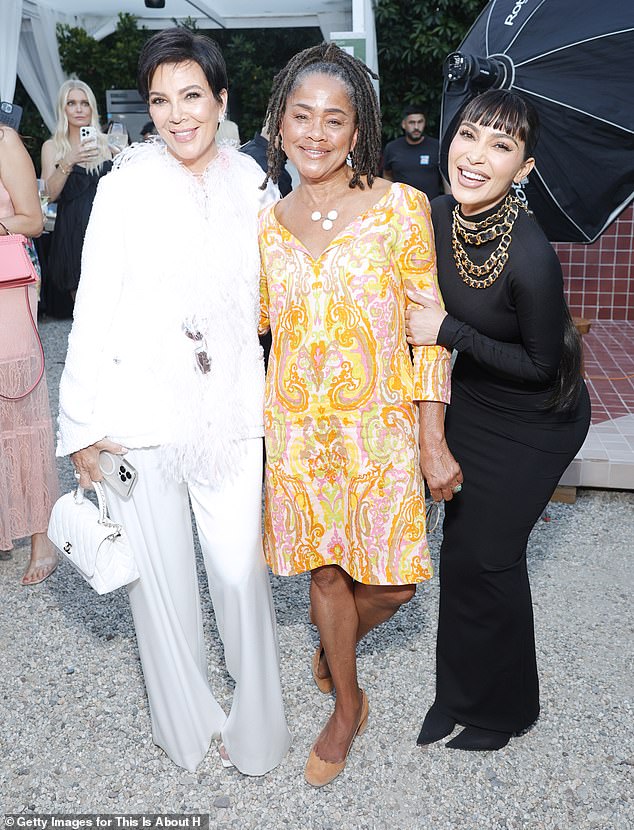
71, 169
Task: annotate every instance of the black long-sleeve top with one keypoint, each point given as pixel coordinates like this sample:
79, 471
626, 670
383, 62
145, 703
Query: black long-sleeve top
509, 336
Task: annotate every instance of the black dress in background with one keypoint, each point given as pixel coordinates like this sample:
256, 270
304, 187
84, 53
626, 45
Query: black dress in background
74, 205
512, 450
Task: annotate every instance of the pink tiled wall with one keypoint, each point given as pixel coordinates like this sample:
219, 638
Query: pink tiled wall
599, 278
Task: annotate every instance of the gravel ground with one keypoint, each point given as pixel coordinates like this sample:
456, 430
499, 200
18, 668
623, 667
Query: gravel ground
75, 732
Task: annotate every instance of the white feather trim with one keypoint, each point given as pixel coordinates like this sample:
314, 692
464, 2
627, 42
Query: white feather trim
207, 280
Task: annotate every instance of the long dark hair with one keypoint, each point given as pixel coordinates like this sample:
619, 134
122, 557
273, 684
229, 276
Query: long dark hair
569, 374
507, 111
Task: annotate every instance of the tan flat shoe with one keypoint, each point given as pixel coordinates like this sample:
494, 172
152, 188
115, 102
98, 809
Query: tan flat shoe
318, 772
324, 684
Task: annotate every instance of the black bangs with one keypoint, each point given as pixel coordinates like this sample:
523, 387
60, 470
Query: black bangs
505, 111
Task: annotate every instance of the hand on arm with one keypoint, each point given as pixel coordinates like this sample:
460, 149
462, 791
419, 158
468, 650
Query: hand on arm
86, 461
423, 320
440, 469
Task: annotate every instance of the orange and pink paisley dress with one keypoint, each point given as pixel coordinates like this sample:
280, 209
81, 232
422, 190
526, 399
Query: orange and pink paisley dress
343, 484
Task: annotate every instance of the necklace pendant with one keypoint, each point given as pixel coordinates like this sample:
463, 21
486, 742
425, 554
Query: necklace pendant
328, 219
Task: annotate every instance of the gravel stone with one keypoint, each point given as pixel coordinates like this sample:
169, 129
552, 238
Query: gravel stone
80, 741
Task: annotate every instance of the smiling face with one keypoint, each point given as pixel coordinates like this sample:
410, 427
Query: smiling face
77, 108
319, 127
483, 164
186, 113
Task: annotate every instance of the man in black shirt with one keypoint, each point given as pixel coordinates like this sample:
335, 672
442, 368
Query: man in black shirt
413, 158
257, 148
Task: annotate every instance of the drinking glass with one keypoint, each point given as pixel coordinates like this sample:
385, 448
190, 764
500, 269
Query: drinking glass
42, 189
117, 135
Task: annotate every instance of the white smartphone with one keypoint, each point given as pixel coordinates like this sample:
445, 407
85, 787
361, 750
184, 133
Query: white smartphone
118, 473
87, 133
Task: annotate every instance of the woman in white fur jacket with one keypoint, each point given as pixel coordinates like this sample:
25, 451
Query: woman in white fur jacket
164, 364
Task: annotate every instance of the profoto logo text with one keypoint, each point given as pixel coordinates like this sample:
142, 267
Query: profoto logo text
517, 8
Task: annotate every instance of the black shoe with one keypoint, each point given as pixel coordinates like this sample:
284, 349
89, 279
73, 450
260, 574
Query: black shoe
436, 726
474, 739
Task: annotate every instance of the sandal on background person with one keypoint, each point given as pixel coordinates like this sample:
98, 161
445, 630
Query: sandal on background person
44, 561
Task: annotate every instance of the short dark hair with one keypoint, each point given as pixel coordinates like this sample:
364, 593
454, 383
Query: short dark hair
180, 45
329, 59
412, 109
507, 111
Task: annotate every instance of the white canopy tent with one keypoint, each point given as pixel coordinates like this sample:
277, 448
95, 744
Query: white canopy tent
28, 45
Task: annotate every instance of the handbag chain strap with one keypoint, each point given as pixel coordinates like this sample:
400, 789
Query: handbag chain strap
104, 518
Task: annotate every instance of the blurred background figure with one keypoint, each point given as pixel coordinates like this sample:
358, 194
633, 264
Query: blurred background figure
28, 477
258, 148
413, 158
148, 131
73, 161
228, 134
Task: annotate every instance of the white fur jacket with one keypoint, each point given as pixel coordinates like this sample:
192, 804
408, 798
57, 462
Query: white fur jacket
166, 251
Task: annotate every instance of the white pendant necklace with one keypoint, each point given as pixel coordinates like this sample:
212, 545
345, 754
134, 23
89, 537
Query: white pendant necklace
328, 219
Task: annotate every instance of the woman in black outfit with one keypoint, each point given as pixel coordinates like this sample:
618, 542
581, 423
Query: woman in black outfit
519, 413
72, 167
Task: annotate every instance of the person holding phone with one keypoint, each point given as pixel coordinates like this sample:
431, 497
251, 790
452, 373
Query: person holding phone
73, 161
164, 362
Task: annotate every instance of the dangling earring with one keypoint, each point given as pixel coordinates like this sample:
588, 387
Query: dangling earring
350, 160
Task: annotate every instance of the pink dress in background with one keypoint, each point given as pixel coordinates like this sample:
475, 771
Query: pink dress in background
28, 476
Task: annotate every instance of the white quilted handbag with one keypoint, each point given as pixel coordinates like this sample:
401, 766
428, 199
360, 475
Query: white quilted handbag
95, 545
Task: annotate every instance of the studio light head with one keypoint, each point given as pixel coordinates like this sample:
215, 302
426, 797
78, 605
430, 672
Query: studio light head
154, 4
474, 72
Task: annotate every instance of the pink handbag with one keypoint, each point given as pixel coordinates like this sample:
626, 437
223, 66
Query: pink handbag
16, 268
18, 273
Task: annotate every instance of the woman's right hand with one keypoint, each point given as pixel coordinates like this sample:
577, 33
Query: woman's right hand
86, 461
84, 153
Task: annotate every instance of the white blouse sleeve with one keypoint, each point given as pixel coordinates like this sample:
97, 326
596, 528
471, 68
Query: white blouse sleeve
98, 296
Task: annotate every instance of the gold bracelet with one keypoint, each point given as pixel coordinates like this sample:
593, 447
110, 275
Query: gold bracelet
64, 170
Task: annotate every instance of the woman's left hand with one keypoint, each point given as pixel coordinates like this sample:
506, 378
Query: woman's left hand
423, 320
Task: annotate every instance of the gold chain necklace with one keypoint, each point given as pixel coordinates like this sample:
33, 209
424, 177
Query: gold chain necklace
499, 224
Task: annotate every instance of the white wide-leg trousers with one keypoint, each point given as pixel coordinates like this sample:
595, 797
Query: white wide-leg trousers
167, 616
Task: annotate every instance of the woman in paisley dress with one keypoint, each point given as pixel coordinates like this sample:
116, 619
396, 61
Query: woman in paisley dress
352, 423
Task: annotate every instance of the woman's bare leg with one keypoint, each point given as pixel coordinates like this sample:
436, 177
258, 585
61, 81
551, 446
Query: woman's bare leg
334, 612
375, 604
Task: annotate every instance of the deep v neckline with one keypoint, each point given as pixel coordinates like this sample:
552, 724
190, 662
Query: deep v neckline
344, 232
